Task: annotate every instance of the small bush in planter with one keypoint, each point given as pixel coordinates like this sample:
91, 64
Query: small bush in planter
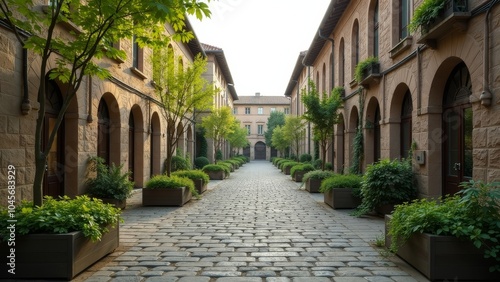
426, 14
57, 216
276, 160
473, 214
341, 181
172, 182
301, 167
362, 66
226, 167
108, 182
386, 182
288, 164
193, 174
200, 162
178, 163
215, 167
280, 162
305, 158
318, 174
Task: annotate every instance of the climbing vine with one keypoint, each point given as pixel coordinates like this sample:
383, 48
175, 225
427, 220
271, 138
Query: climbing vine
358, 147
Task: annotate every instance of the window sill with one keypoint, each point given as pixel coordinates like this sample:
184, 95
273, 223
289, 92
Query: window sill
401, 47
138, 73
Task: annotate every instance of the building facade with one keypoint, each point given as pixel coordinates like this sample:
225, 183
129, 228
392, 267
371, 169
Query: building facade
434, 91
119, 119
253, 113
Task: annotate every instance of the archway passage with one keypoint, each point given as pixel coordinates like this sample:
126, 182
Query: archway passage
260, 151
53, 184
103, 130
457, 128
246, 152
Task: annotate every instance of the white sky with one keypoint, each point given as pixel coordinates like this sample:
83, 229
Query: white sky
261, 39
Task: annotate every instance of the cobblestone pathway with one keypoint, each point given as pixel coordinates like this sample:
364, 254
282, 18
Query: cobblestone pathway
257, 225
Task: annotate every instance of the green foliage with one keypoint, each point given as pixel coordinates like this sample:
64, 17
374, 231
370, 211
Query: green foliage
317, 174
294, 132
200, 138
63, 215
276, 160
226, 167
213, 167
386, 182
305, 158
362, 66
358, 147
170, 182
178, 163
218, 155
200, 162
108, 182
238, 138
280, 162
288, 164
279, 140
341, 181
275, 119
194, 174
301, 167
473, 214
426, 14
218, 125
321, 111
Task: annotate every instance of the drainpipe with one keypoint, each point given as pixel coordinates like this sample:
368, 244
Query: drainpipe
25, 105
486, 95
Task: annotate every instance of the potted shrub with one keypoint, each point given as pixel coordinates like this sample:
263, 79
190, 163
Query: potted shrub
215, 172
199, 178
108, 183
200, 162
385, 184
341, 191
58, 239
162, 190
286, 167
297, 171
227, 168
367, 71
455, 238
313, 179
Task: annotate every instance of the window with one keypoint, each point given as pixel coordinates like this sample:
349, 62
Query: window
260, 129
247, 111
235, 111
273, 110
406, 112
355, 47
260, 110
137, 55
375, 30
247, 126
287, 111
341, 63
404, 18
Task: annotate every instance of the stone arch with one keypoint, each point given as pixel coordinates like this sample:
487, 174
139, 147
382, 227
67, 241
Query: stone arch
136, 145
181, 143
111, 130
395, 118
260, 150
155, 145
372, 130
339, 144
355, 46
350, 132
190, 142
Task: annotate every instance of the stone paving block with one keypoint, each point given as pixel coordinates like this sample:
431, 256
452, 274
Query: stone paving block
295, 274
311, 279
239, 279
221, 273
179, 273
162, 279
261, 273
194, 279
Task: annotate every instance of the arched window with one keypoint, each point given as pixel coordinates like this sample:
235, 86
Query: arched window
341, 63
404, 18
355, 47
406, 127
375, 30
377, 135
131, 145
103, 131
323, 78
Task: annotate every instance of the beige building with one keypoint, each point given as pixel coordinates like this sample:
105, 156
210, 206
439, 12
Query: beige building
437, 90
119, 118
253, 113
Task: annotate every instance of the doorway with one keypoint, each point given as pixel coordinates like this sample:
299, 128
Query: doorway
457, 128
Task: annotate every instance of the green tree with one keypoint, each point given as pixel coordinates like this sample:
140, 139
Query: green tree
99, 23
321, 111
275, 118
294, 132
238, 138
181, 91
218, 126
279, 141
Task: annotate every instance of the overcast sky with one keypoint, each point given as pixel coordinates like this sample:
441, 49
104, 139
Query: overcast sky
261, 39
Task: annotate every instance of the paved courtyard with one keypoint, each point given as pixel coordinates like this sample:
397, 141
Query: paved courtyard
257, 225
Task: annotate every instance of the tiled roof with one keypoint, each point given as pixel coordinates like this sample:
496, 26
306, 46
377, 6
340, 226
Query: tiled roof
262, 100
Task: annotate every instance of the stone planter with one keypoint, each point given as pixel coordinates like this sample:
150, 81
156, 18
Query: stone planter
200, 186
297, 177
121, 204
286, 170
371, 75
216, 175
313, 185
444, 258
166, 197
341, 198
56, 256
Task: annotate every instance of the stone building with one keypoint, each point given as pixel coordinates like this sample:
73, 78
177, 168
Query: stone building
119, 119
435, 90
253, 113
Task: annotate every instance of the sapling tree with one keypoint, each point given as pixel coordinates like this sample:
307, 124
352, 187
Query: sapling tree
218, 126
294, 132
238, 138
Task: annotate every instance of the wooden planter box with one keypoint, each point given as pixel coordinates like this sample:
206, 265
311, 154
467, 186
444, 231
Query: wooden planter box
297, 177
312, 185
166, 197
286, 171
216, 175
200, 186
341, 198
445, 258
56, 256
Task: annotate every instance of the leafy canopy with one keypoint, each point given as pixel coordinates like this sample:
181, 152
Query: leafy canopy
275, 118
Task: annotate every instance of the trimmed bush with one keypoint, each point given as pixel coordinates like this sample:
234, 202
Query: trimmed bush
305, 158
341, 181
301, 167
318, 174
193, 174
200, 162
